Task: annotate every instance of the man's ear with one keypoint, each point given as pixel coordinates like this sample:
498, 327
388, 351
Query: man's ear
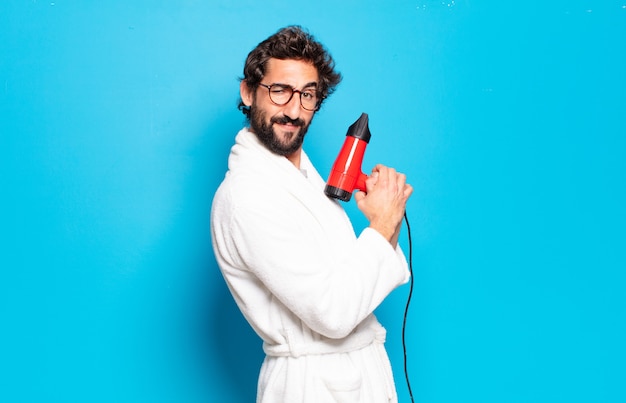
246, 93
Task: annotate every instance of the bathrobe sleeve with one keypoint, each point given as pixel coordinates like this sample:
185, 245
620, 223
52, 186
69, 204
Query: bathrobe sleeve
278, 240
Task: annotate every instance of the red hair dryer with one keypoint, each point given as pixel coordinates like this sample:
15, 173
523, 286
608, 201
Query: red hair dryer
346, 175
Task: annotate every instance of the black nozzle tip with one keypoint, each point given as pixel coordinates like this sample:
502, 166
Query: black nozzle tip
360, 129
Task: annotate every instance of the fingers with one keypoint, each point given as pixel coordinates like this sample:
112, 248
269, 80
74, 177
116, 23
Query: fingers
408, 191
370, 182
384, 176
401, 180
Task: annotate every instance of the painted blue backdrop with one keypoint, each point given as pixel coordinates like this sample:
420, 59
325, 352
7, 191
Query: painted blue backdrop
509, 119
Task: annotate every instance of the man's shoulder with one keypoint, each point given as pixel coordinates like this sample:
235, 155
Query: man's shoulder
247, 187
238, 184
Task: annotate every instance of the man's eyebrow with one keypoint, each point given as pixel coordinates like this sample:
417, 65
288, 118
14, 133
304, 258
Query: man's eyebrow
308, 85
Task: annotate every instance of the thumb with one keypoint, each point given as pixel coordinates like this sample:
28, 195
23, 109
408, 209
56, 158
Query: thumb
358, 196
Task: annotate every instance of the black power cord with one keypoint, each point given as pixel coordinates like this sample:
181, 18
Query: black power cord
406, 310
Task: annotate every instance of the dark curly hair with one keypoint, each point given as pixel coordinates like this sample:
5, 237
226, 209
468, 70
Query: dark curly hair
291, 42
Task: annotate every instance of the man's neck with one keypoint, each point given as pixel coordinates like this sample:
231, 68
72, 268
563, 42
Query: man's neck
295, 158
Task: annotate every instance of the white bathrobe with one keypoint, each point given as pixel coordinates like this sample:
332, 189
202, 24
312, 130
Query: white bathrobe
303, 280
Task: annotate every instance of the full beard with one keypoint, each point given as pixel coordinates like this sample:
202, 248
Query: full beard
284, 146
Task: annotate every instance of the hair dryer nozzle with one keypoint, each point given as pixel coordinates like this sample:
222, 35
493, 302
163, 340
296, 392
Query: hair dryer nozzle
360, 129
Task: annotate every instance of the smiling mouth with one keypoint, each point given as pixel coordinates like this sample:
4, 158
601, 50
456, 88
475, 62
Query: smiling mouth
285, 121
288, 130
287, 125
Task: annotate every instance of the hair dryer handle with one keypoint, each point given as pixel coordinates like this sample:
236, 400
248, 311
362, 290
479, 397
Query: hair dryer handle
360, 182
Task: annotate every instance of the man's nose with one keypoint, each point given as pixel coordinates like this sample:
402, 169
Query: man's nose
292, 109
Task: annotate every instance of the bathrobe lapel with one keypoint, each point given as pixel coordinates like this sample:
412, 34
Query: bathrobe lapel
306, 185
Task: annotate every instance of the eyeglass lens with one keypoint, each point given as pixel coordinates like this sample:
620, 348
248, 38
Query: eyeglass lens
282, 94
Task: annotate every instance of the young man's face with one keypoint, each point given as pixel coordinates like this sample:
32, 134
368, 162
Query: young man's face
281, 128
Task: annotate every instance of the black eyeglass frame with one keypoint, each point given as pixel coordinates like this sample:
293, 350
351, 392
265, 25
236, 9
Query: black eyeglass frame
293, 91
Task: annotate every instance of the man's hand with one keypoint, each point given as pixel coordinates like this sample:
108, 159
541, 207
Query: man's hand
385, 201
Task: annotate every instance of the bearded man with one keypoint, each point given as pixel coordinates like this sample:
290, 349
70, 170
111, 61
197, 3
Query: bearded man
306, 283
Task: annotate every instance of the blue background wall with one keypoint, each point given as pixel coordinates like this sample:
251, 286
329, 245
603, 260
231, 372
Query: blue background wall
508, 117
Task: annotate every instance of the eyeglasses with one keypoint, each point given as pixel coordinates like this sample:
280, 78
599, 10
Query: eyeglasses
281, 94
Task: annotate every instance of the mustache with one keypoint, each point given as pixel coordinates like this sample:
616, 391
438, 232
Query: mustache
287, 120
